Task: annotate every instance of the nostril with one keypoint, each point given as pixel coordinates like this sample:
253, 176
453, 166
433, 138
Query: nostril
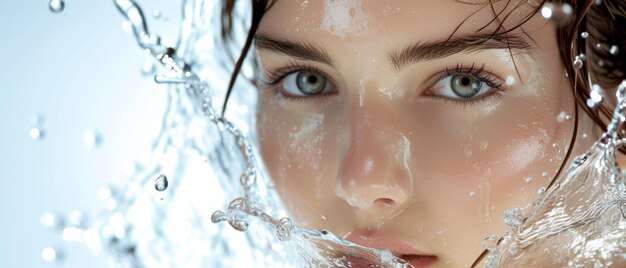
386, 202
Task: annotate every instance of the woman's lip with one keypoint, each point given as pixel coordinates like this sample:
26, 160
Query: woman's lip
398, 247
383, 241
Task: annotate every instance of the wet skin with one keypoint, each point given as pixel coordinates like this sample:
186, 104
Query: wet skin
386, 147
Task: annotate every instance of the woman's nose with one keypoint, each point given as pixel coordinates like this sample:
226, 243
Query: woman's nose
375, 172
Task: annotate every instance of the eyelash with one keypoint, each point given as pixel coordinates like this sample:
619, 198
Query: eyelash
479, 74
273, 77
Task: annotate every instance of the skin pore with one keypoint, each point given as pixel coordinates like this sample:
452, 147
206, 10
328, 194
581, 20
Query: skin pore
364, 134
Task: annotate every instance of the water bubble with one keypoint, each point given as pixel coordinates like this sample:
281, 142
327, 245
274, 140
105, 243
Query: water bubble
92, 138
56, 6
49, 254
557, 13
35, 133
613, 50
304, 4
160, 184
584, 35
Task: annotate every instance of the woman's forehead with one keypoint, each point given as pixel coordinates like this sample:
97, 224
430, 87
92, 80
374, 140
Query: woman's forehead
400, 20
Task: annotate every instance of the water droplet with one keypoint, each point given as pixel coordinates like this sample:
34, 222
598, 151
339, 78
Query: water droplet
562, 117
304, 4
584, 35
585, 135
472, 194
49, 254
578, 63
491, 242
513, 217
544, 174
510, 80
528, 179
218, 216
541, 191
56, 6
147, 68
92, 138
160, 184
614, 49
554, 145
156, 14
557, 13
35, 133
49, 220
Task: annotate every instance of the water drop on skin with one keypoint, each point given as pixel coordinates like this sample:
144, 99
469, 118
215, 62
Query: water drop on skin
613, 50
528, 179
584, 35
161, 183
510, 80
56, 6
472, 194
544, 174
562, 117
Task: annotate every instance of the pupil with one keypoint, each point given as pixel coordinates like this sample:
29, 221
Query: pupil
465, 81
312, 79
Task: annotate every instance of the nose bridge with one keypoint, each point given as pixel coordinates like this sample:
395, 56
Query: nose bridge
375, 171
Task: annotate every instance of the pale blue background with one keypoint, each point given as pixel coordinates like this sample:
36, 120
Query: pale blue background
81, 71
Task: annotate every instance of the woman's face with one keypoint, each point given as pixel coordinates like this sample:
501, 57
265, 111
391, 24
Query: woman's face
375, 128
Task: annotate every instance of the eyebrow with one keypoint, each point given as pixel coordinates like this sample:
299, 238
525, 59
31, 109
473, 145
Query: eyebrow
425, 51
299, 50
414, 53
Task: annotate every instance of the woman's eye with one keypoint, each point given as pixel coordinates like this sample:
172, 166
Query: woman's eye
460, 87
305, 83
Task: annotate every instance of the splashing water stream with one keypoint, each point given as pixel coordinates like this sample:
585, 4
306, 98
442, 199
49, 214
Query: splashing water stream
584, 209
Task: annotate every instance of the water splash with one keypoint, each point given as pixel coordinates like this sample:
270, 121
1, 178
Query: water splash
580, 220
133, 241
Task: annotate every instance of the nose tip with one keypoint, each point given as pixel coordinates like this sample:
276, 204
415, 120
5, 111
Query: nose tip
375, 196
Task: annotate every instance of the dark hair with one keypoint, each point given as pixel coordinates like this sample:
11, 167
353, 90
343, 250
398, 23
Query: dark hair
603, 21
